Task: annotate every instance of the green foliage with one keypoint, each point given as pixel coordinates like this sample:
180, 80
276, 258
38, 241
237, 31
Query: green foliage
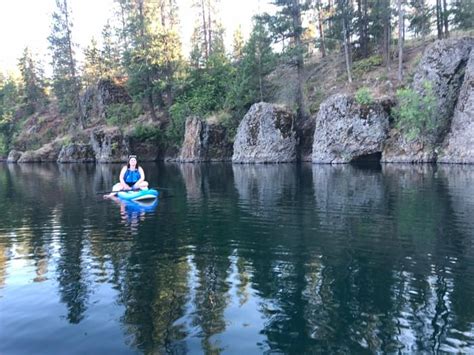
416, 113
363, 96
364, 66
420, 17
3, 145
146, 132
463, 14
250, 84
204, 92
33, 89
122, 114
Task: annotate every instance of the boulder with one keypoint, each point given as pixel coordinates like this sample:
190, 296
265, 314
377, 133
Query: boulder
204, 141
14, 156
346, 131
109, 145
266, 135
96, 98
443, 66
47, 153
459, 144
76, 153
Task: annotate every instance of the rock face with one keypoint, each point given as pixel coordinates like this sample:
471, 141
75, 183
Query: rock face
346, 131
109, 145
204, 142
266, 135
76, 153
97, 97
459, 144
14, 156
443, 65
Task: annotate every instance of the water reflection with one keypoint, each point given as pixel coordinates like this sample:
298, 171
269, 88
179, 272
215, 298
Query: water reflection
289, 258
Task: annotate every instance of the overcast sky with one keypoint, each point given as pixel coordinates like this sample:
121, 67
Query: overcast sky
27, 23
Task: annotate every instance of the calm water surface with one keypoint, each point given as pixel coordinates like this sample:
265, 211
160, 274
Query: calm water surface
261, 258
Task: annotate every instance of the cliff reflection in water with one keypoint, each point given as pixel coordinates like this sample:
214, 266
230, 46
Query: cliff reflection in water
284, 258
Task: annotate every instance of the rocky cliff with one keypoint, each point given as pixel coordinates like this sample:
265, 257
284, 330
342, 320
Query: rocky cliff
459, 144
204, 142
443, 66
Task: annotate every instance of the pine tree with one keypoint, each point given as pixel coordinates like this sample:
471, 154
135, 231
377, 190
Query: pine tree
9, 103
420, 18
154, 54
319, 19
237, 44
33, 88
258, 60
93, 64
66, 84
463, 14
287, 24
206, 28
110, 53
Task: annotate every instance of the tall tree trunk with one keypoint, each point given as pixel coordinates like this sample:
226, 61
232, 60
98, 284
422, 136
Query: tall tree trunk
321, 29
204, 30
209, 26
301, 110
72, 68
400, 40
346, 50
362, 13
387, 36
124, 26
439, 20
149, 91
445, 18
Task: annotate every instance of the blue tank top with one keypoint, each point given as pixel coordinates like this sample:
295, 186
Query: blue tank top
131, 176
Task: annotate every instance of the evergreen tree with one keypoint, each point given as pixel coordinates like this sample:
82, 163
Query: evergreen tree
65, 80
207, 27
237, 44
154, 54
110, 53
9, 104
258, 60
463, 14
93, 64
287, 24
420, 18
33, 89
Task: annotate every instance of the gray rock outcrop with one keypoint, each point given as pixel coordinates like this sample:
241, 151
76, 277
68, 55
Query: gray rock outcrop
76, 153
204, 141
442, 65
346, 131
109, 145
14, 156
266, 135
459, 144
97, 97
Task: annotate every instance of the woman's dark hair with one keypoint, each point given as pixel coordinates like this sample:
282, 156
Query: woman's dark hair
128, 161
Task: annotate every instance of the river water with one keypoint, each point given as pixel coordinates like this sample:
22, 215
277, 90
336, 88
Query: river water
238, 258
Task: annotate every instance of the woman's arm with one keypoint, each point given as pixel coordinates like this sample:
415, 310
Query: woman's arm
122, 181
142, 176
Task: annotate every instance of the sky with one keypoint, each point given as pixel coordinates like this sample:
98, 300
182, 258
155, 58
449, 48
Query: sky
27, 23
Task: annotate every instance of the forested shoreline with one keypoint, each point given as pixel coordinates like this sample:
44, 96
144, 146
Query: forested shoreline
141, 53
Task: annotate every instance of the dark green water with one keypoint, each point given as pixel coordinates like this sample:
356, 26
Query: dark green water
281, 259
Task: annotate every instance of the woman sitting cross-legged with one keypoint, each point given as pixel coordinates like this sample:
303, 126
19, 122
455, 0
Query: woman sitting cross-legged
132, 176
